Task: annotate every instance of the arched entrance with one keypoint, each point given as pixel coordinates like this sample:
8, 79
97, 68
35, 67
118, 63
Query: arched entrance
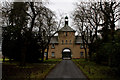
66, 53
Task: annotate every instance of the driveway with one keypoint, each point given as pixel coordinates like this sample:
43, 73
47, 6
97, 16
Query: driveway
66, 69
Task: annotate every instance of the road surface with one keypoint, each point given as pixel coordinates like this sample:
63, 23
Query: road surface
66, 70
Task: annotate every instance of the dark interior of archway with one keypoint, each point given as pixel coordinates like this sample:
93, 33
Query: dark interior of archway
66, 55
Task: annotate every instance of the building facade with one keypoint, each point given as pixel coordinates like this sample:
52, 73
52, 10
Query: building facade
66, 44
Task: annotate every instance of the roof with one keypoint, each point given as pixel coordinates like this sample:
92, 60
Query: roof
54, 39
78, 39
118, 30
67, 28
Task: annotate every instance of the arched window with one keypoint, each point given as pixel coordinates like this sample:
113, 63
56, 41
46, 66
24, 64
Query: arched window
81, 46
62, 42
70, 41
81, 54
66, 41
53, 54
65, 33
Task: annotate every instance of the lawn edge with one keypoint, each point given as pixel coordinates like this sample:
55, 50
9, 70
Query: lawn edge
51, 70
81, 70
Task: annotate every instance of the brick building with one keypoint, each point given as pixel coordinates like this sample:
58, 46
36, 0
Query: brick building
66, 44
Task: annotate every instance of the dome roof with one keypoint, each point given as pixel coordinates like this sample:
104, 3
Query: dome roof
66, 17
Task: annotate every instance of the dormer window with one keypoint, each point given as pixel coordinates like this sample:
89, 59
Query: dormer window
81, 46
53, 46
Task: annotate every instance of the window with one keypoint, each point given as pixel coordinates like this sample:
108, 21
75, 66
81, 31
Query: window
65, 33
62, 42
45, 53
81, 46
53, 54
66, 41
70, 41
81, 54
69, 33
53, 46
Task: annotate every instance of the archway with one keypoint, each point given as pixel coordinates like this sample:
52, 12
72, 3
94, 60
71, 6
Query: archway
66, 53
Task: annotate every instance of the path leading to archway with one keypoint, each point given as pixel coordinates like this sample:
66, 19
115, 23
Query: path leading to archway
66, 69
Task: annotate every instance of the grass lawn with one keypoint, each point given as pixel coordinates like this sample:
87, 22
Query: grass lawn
94, 71
34, 71
6, 59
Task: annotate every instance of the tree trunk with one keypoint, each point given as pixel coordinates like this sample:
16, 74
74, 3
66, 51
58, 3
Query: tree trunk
32, 23
48, 48
109, 60
90, 52
86, 53
42, 58
3, 58
47, 53
96, 34
23, 54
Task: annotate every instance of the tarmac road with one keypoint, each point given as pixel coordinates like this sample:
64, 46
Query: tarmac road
66, 70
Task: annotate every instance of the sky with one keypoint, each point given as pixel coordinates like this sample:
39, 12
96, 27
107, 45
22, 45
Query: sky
63, 8
60, 7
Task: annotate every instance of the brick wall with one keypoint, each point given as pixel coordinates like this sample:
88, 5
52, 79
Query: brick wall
70, 38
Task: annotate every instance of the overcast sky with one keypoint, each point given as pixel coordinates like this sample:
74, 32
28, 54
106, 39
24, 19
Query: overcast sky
63, 7
60, 7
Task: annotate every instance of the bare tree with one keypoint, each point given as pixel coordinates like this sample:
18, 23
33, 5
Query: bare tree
111, 14
49, 27
81, 23
44, 20
87, 17
41, 26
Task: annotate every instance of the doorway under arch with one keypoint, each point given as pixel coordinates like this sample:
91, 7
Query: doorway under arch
66, 53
